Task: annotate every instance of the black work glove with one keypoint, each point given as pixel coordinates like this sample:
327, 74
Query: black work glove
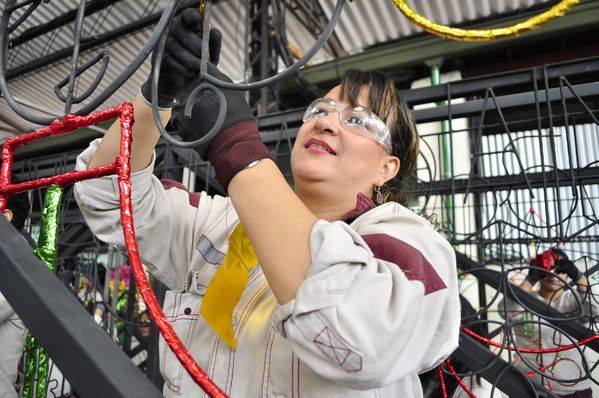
238, 142
566, 266
205, 109
535, 274
182, 58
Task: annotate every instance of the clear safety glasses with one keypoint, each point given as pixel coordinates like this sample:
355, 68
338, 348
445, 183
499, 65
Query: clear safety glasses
358, 120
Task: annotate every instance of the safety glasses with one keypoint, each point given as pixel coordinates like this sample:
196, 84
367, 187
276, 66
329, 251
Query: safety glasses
358, 120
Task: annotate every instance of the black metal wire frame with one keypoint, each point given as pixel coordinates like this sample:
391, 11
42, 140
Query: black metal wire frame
530, 184
578, 177
211, 83
69, 99
261, 59
94, 365
6, 27
304, 12
64, 19
532, 174
502, 374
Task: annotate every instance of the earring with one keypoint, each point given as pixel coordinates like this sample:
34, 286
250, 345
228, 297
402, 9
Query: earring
379, 196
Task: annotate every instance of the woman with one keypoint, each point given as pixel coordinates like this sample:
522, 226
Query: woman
566, 369
349, 299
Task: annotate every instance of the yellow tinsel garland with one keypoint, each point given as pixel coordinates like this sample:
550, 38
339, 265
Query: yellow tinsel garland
485, 34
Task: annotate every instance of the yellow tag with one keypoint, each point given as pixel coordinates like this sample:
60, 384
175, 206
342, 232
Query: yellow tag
227, 286
202, 9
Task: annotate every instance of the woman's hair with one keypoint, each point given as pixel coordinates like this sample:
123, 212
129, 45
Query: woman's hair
385, 102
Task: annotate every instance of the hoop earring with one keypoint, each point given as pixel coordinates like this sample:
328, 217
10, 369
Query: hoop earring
379, 196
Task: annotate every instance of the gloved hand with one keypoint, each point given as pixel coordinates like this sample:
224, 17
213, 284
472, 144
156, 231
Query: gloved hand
534, 273
238, 143
205, 109
182, 58
566, 266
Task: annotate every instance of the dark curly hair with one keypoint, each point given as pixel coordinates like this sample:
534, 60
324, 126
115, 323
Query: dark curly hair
385, 102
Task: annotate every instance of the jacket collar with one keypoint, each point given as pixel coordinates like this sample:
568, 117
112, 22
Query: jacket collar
363, 204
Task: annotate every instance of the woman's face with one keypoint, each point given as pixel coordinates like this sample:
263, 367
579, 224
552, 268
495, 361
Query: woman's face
551, 283
325, 152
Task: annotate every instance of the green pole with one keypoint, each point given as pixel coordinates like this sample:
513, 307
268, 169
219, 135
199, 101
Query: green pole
446, 154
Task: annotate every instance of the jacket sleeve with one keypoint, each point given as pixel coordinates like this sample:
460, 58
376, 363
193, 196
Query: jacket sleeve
6, 310
587, 305
165, 220
374, 308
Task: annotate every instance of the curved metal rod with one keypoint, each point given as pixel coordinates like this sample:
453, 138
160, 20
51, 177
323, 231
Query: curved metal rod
283, 47
168, 13
498, 291
75, 57
524, 358
32, 7
524, 378
448, 32
222, 111
544, 169
105, 57
222, 105
496, 358
222, 101
290, 70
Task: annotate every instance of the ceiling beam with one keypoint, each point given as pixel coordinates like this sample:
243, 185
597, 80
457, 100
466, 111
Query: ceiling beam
313, 18
18, 128
403, 54
60, 21
412, 52
116, 34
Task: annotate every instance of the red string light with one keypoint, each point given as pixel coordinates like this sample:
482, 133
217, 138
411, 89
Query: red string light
530, 350
459, 379
121, 166
441, 381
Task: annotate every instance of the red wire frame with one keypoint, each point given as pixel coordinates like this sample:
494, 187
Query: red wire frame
121, 167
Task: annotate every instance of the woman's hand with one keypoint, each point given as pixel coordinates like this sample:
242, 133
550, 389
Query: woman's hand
182, 58
565, 266
238, 142
179, 66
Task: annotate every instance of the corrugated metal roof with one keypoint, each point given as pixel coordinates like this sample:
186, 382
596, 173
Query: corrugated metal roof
362, 24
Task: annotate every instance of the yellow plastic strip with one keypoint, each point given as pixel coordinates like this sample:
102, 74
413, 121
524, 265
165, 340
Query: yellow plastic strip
227, 286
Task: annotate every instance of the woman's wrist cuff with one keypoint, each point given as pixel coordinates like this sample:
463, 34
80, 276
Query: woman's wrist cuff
235, 149
164, 104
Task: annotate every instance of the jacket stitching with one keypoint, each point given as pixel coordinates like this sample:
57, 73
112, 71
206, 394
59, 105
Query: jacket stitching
266, 365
